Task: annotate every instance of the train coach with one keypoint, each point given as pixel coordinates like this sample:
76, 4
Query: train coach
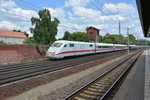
63, 48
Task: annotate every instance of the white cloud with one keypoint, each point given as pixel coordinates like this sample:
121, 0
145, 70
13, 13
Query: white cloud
58, 13
8, 25
85, 12
121, 8
76, 3
78, 17
6, 5
13, 17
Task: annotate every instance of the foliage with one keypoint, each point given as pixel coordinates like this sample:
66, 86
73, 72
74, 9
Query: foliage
17, 30
76, 36
26, 34
2, 43
45, 29
29, 41
66, 35
40, 49
113, 38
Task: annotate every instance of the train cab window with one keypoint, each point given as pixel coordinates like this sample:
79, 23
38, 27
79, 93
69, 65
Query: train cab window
91, 45
65, 45
71, 45
56, 44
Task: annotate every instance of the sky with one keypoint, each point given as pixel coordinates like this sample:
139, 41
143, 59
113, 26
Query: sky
74, 15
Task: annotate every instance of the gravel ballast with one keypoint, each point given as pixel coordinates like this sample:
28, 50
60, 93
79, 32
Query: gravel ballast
58, 89
41, 86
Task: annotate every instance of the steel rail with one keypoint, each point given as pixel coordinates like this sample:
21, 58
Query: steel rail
49, 63
10, 76
108, 92
88, 84
26, 65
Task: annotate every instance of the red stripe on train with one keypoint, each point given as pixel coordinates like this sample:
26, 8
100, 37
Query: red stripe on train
83, 51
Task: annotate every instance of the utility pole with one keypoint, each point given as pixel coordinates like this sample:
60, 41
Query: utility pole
137, 42
119, 28
128, 38
119, 32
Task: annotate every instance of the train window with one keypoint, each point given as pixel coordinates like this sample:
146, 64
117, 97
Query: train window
71, 45
91, 45
56, 44
98, 46
65, 45
106, 46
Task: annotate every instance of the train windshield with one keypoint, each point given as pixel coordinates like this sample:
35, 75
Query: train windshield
56, 44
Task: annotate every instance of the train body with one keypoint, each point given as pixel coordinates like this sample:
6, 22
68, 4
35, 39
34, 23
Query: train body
62, 48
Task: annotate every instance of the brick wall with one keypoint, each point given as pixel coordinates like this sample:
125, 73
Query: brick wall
16, 53
92, 34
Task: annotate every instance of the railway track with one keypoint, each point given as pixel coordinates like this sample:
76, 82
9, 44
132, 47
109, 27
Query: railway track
16, 72
102, 87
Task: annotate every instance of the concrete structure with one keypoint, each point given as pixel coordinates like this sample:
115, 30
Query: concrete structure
143, 8
136, 86
92, 34
12, 37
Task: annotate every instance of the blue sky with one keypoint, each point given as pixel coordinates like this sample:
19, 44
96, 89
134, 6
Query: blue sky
76, 14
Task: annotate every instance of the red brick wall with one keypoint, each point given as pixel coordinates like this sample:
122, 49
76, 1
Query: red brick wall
91, 35
16, 53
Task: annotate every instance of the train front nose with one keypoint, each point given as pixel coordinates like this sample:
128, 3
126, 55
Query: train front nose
50, 54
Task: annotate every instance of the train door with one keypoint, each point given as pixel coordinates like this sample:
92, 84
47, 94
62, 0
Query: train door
76, 49
72, 49
95, 47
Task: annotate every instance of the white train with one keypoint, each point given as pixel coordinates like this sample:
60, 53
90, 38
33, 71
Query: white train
62, 48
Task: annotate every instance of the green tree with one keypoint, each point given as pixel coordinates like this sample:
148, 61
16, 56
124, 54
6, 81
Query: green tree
132, 39
78, 36
100, 38
66, 35
113, 38
45, 29
2, 43
107, 38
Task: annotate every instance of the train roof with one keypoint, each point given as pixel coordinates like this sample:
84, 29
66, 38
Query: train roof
106, 44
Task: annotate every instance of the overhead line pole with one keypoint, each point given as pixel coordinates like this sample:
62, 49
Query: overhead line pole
119, 28
119, 32
128, 38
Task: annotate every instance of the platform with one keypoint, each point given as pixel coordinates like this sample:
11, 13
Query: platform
136, 86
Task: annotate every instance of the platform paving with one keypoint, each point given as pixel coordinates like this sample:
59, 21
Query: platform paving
136, 86
147, 76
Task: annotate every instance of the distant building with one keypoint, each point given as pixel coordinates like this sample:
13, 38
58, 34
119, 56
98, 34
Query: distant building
12, 37
92, 34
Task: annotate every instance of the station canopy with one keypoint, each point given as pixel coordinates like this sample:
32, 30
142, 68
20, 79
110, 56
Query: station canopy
144, 13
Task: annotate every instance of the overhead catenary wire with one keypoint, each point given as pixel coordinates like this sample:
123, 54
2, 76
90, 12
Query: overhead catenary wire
26, 17
53, 12
32, 5
110, 12
74, 28
101, 11
36, 6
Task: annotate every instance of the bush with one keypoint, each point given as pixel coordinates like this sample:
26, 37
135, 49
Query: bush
2, 43
41, 48
29, 41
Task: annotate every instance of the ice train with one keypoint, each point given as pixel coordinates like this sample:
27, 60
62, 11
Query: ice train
63, 48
